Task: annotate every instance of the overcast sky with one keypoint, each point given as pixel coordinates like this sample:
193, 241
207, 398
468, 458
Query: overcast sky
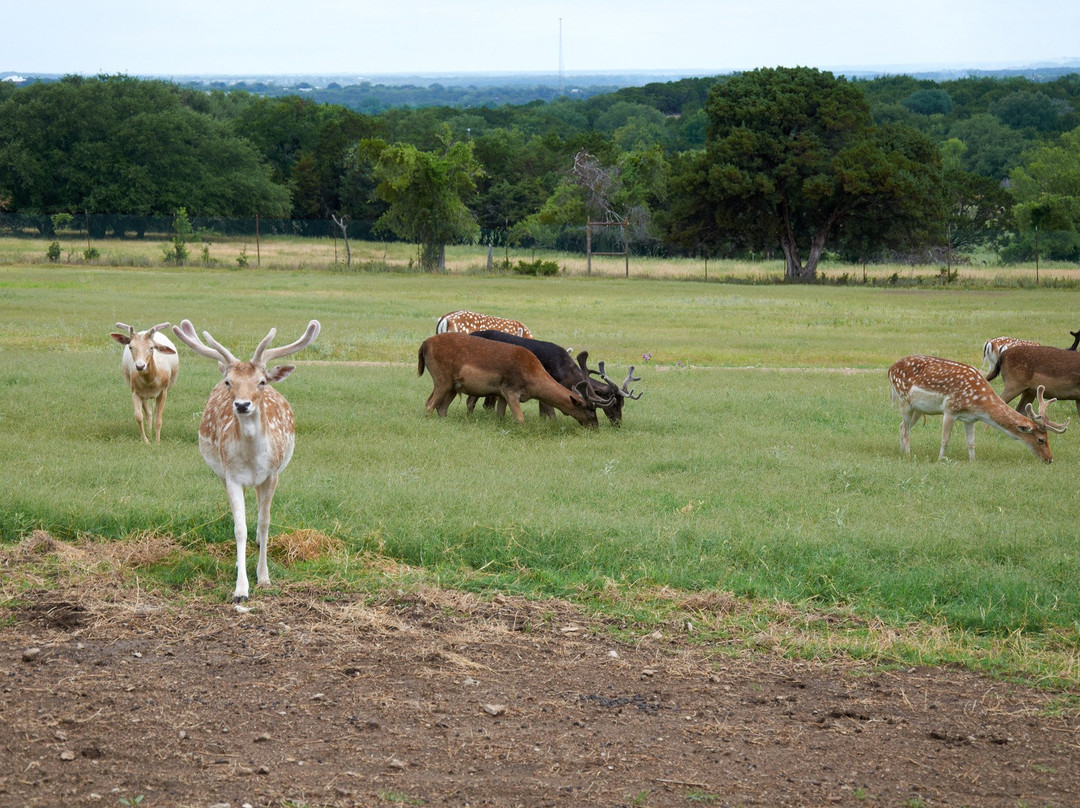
366, 38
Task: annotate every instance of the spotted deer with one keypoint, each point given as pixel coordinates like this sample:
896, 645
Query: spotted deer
465, 322
247, 433
927, 385
993, 348
150, 366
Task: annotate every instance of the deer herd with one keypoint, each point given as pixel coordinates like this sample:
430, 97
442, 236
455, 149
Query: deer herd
247, 432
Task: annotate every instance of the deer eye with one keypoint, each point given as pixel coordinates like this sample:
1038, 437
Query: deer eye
228, 383
262, 382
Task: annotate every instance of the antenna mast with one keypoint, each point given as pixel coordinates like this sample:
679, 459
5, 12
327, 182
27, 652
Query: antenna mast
560, 58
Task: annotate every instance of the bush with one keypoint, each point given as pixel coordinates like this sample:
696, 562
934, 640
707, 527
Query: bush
537, 267
53, 253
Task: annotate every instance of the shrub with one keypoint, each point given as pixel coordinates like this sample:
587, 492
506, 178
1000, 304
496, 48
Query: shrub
538, 267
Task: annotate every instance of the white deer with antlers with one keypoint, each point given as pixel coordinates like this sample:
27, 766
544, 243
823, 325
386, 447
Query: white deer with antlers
247, 433
927, 385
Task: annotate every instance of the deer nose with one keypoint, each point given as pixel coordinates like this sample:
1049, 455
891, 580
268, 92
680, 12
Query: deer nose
140, 366
242, 407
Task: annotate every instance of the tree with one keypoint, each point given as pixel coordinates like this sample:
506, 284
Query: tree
1046, 188
425, 194
793, 155
119, 145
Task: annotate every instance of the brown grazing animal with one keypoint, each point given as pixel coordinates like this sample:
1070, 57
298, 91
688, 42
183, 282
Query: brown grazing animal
927, 385
150, 366
473, 366
1024, 368
247, 434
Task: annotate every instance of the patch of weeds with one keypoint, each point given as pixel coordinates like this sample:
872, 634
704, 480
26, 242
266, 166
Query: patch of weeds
703, 797
132, 800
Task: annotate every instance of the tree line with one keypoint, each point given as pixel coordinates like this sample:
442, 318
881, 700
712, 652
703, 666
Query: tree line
794, 162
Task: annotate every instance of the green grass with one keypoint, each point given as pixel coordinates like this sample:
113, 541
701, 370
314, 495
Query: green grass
763, 460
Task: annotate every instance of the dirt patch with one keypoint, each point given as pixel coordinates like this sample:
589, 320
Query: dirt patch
439, 698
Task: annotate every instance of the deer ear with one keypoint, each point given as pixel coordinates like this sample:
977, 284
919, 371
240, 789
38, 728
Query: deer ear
1027, 430
280, 373
165, 349
123, 339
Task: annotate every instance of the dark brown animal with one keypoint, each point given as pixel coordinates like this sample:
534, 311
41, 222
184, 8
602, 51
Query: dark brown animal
1025, 368
473, 366
558, 362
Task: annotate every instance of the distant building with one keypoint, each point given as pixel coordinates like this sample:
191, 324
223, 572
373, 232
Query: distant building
14, 79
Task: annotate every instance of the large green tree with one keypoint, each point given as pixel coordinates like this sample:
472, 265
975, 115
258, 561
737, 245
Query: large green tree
1046, 188
115, 144
426, 195
793, 154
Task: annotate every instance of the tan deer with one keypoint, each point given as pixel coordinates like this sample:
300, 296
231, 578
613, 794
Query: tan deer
150, 367
927, 385
247, 433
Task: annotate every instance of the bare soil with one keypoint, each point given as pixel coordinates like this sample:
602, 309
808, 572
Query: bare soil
439, 698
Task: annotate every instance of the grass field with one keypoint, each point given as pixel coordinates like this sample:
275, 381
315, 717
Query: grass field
761, 467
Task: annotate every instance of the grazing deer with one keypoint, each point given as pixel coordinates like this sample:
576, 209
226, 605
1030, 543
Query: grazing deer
462, 363
465, 322
927, 385
1026, 367
557, 361
247, 433
150, 366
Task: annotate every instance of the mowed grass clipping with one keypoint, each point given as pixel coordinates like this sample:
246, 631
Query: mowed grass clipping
763, 459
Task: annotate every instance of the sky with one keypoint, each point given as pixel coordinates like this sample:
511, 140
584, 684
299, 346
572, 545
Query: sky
363, 38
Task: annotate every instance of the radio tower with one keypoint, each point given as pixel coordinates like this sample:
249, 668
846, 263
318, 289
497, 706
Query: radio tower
560, 58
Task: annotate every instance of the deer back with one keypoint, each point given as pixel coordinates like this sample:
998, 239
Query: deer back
466, 322
1026, 367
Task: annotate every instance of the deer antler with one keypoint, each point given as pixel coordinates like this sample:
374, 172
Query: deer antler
158, 327
125, 327
622, 391
1040, 417
186, 333
270, 354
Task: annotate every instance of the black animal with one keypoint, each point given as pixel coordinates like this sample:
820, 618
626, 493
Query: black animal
558, 362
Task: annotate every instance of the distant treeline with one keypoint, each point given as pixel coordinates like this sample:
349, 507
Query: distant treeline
526, 162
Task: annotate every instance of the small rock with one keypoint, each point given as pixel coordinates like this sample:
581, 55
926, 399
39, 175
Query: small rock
470, 682
31, 654
394, 763
67, 754
318, 697
493, 709
263, 737
613, 654
648, 672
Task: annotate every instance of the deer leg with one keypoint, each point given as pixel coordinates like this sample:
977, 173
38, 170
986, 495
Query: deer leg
139, 415
969, 433
489, 402
445, 402
905, 430
1027, 398
265, 493
159, 410
515, 408
470, 404
546, 410
946, 432
235, 492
